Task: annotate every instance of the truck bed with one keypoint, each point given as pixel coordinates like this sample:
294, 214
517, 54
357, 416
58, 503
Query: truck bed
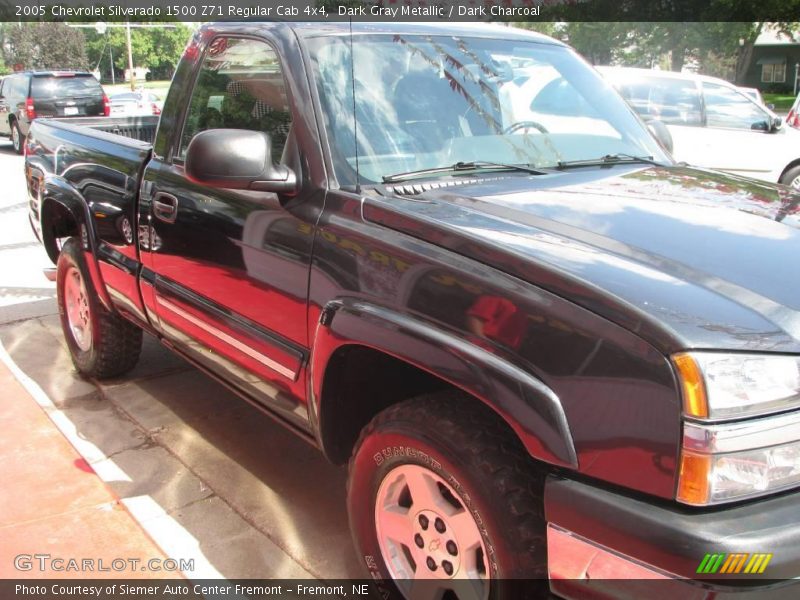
98, 162
115, 144
136, 128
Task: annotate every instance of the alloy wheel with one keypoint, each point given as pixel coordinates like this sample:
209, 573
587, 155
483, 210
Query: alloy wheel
429, 540
76, 303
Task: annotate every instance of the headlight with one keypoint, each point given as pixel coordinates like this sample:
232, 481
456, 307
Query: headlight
732, 386
737, 459
733, 461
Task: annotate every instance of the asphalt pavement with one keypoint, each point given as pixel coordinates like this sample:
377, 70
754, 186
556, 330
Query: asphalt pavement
203, 473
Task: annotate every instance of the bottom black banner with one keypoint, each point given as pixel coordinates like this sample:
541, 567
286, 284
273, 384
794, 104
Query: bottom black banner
431, 589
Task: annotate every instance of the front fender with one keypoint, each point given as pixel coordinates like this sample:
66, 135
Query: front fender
529, 407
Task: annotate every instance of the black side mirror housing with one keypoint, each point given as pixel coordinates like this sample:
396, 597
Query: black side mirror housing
661, 133
237, 159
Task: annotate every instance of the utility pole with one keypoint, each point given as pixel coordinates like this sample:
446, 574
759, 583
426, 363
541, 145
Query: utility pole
796, 71
111, 58
101, 28
130, 55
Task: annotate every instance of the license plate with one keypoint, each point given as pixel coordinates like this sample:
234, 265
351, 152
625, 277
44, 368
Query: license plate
117, 110
70, 110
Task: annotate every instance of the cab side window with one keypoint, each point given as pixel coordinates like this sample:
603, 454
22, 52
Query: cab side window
240, 86
729, 109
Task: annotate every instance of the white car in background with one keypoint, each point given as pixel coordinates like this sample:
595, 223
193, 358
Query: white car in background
541, 98
713, 123
135, 104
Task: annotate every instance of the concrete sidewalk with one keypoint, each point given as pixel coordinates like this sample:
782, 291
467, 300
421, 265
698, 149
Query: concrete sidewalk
53, 503
208, 477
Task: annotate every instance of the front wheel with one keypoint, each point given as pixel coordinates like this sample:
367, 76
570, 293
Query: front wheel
445, 503
101, 343
792, 178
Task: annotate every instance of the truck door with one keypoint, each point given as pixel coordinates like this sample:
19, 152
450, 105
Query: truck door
228, 270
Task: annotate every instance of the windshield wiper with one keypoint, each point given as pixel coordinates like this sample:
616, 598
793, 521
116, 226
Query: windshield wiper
476, 165
608, 159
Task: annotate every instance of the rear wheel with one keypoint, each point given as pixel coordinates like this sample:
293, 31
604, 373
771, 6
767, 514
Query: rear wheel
17, 139
101, 343
445, 503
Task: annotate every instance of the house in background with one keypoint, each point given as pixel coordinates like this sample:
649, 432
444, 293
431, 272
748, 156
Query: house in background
139, 73
775, 62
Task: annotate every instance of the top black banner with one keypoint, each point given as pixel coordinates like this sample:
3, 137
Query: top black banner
406, 10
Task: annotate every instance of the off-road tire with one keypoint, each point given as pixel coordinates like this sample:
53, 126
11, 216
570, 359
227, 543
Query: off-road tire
115, 342
467, 445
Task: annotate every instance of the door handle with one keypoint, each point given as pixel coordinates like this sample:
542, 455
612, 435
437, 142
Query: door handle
165, 207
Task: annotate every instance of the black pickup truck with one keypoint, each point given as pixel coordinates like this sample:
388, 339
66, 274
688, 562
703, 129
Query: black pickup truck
454, 257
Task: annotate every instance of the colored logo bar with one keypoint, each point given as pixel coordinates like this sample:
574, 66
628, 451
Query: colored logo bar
734, 563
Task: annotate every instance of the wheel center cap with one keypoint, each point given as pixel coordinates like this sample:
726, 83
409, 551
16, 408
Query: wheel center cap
437, 544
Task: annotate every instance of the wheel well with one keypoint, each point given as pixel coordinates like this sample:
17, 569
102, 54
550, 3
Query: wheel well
789, 167
359, 383
57, 222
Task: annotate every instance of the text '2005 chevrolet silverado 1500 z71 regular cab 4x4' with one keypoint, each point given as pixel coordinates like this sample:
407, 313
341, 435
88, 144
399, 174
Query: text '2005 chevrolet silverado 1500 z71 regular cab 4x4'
549, 353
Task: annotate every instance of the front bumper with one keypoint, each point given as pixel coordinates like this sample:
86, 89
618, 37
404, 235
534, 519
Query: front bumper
604, 544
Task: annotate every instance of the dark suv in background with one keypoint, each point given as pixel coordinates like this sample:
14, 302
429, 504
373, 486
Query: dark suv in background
31, 94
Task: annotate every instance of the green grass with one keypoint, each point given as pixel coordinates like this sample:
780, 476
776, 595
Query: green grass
781, 101
159, 88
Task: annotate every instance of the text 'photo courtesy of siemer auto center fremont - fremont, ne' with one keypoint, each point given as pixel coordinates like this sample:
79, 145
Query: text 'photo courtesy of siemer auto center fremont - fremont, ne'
423, 301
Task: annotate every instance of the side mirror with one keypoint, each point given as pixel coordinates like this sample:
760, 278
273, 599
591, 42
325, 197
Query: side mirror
775, 124
661, 133
237, 159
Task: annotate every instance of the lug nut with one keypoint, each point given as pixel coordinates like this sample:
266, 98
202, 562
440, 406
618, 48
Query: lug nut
432, 564
418, 541
447, 566
452, 549
439, 524
423, 521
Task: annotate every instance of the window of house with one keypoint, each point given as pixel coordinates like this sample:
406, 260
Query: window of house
773, 73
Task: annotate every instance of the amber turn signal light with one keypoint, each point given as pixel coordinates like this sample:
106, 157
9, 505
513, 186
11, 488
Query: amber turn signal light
695, 402
693, 487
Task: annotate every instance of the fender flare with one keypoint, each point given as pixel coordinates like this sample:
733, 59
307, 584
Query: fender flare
59, 191
529, 407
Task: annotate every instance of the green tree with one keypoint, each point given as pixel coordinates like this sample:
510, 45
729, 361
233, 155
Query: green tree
44, 46
601, 43
545, 27
723, 49
156, 48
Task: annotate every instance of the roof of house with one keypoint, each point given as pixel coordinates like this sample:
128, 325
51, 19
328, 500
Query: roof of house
772, 36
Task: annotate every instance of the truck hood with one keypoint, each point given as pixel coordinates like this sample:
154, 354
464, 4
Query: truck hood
687, 258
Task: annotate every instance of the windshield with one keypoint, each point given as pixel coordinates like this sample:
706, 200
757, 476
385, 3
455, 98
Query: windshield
423, 102
65, 87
